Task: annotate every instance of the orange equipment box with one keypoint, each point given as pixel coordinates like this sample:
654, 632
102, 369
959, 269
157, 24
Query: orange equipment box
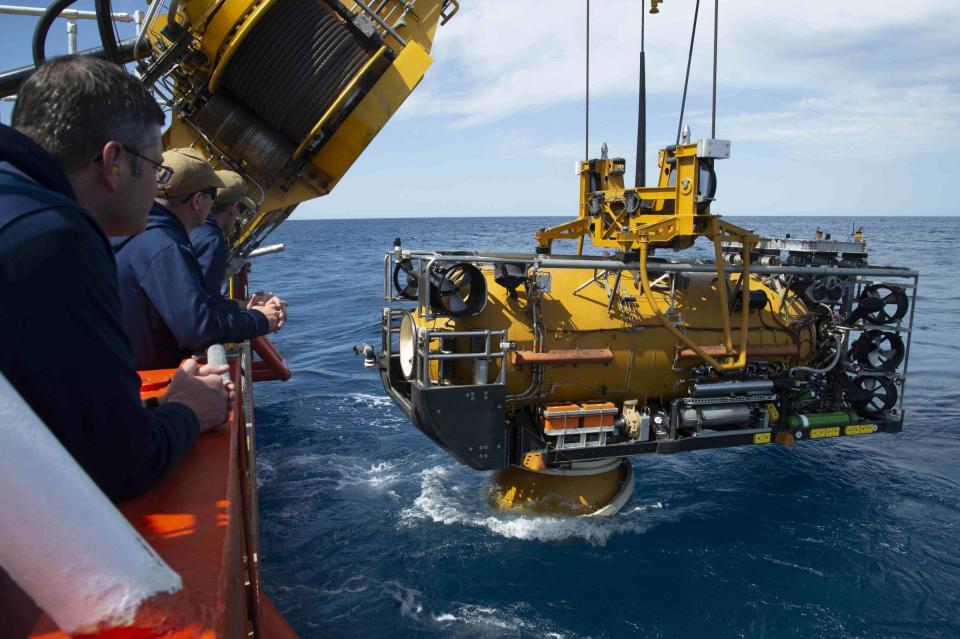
561, 416
598, 414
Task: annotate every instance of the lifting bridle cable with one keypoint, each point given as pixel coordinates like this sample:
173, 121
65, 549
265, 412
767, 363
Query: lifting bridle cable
713, 112
586, 134
686, 81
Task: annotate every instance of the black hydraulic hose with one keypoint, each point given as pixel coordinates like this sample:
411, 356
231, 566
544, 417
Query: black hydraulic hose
11, 80
105, 25
686, 81
43, 28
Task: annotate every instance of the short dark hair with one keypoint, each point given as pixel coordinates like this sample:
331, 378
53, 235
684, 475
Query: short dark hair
73, 105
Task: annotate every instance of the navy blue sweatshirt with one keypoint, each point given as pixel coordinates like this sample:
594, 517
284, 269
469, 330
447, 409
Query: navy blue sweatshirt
210, 247
167, 311
63, 344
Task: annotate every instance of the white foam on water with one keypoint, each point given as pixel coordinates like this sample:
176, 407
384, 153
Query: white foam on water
265, 470
486, 619
377, 476
441, 502
787, 564
353, 585
445, 617
408, 598
370, 400
338, 472
473, 617
371, 409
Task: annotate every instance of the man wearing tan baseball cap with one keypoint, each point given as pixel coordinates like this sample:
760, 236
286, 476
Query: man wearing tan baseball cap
209, 239
210, 242
167, 311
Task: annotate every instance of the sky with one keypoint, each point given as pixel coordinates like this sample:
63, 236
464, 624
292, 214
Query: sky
843, 108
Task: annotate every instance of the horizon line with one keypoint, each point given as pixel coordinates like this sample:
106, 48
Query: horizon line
498, 216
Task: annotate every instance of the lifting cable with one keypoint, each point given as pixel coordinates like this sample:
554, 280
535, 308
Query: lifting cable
713, 112
586, 134
686, 81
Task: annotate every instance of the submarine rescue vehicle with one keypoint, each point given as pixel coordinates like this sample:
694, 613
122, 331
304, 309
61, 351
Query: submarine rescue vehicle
553, 369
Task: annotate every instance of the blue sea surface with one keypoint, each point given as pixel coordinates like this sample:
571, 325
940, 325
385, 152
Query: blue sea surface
369, 530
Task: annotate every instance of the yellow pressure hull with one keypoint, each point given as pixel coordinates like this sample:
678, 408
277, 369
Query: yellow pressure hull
647, 359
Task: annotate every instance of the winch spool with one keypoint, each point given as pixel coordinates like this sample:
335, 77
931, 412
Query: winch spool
293, 65
245, 136
291, 68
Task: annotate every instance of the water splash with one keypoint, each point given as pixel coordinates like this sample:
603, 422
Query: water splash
441, 501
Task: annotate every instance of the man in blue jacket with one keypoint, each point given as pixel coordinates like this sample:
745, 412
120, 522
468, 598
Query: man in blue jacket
210, 242
167, 310
68, 177
209, 239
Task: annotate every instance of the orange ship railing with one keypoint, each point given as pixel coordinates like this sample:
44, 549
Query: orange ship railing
198, 519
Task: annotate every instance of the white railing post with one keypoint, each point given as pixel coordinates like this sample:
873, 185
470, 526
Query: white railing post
61, 539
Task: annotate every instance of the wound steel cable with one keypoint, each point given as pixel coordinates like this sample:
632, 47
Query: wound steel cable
294, 64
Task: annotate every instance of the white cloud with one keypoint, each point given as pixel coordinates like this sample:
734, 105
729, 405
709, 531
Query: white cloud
517, 143
883, 123
499, 58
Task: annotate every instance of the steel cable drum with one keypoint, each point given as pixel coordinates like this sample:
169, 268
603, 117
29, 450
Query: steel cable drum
246, 137
293, 65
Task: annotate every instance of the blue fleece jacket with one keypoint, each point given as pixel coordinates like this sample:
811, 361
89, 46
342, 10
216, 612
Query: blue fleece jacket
210, 247
167, 311
62, 344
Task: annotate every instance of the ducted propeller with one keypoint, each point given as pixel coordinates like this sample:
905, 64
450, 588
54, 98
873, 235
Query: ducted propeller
406, 279
883, 304
873, 396
459, 291
880, 351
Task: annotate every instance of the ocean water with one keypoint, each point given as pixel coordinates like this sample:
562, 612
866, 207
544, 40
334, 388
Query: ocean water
369, 530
